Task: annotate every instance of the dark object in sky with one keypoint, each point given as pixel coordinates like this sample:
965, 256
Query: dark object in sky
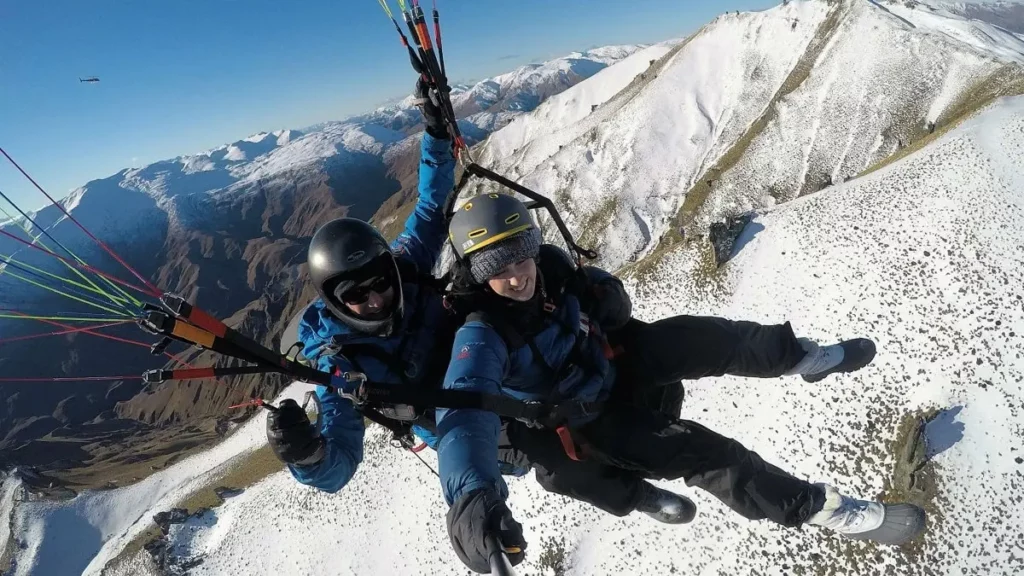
90, 79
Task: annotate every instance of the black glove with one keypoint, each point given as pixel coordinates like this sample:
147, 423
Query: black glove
293, 438
477, 514
432, 115
610, 306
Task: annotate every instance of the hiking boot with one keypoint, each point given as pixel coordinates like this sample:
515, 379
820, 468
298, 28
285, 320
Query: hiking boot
666, 507
864, 520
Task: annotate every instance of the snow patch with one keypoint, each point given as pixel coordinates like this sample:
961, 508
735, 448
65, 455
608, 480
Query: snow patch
989, 40
651, 140
235, 154
286, 136
924, 257
571, 106
90, 530
10, 489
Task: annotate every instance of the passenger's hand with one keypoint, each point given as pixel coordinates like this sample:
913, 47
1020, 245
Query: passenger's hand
472, 518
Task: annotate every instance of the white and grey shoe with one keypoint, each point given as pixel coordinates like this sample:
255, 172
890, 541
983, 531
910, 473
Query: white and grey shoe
865, 520
820, 361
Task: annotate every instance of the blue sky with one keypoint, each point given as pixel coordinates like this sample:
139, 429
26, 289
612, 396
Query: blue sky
182, 76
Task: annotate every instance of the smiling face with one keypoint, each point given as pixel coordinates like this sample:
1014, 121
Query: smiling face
516, 281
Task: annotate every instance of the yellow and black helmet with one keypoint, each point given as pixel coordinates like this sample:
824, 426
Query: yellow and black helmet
485, 220
492, 231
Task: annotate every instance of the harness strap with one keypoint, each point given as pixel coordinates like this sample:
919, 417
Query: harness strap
352, 352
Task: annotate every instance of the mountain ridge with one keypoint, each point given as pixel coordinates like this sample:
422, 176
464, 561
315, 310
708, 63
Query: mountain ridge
225, 228
776, 123
915, 239
908, 254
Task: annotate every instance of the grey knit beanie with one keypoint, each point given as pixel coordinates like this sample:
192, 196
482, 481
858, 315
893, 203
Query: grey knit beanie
493, 259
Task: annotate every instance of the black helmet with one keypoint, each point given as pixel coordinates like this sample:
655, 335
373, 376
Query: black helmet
344, 253
492, 231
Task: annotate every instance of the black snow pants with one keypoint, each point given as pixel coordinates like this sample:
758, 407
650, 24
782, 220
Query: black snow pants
632, 441
612, 489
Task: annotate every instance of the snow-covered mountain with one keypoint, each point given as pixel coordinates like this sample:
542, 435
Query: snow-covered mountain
879, 146
360, 159
755, 109
924, 256
490, 104
1005, 14
227, 227
181, 186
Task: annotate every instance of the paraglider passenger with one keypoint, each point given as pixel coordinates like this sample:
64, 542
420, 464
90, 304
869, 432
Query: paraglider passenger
576, 345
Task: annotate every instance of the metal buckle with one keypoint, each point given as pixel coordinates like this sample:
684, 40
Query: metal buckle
404, 442
358, 396
153, 322
172, 302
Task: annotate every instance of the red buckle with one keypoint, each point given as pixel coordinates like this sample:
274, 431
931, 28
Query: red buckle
568, 444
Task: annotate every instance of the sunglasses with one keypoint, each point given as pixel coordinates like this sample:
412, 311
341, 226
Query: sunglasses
361, 293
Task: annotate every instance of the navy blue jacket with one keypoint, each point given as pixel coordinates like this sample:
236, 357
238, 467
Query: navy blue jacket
482, 362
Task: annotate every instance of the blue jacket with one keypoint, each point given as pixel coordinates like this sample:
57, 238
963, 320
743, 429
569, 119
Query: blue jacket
420, 243
482, 362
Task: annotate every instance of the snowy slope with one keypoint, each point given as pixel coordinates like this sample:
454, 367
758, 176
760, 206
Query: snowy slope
92, 528
937, 20
923, 256
790, 99
547, 126
183, 186
1006, 14
10, 489
854, 110
641, 151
